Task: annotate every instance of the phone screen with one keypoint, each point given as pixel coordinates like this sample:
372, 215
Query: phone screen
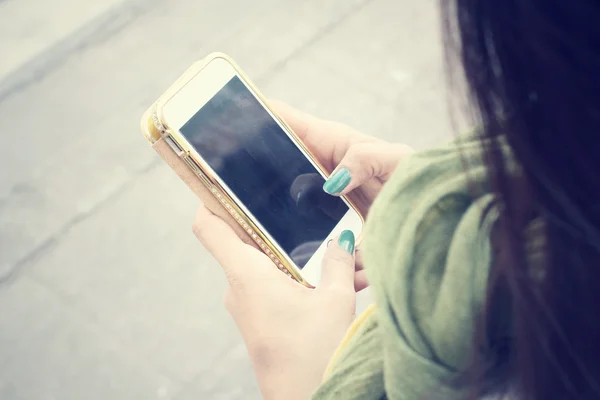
267, 172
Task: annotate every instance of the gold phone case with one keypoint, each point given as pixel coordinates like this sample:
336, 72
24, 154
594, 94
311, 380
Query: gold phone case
198, 176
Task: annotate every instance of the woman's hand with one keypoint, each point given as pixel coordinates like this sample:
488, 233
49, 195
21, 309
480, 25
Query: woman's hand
290, 331
358, 162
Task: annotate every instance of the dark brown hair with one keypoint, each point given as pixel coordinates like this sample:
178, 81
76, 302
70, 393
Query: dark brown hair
533, 71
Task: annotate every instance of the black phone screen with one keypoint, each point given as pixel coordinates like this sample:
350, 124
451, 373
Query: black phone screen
267, 172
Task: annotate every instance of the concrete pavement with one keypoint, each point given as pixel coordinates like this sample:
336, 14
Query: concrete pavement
104, 293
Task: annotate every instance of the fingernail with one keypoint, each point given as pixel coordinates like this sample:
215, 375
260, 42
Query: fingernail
346, 241
338, 181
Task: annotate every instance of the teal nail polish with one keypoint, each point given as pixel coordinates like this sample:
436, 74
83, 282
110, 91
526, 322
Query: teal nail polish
346, 241
338, 181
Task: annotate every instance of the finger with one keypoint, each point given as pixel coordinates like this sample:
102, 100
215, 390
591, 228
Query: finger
221, 241
327, 140
362, 162
360, 281
228, 299
358, 259
338, 263
299, 121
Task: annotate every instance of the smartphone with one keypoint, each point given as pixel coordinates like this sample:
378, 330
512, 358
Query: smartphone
253, 163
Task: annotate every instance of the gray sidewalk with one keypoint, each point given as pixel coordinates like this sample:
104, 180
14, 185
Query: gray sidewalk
104, 292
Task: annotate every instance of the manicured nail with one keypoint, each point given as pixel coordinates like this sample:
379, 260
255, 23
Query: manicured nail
338, 181
346, 241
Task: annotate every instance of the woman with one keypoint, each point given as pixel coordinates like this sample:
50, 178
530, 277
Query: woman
482, 254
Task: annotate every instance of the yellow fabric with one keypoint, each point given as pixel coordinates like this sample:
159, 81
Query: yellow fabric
358, 322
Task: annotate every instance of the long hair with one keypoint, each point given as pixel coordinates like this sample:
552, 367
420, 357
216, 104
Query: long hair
532, 68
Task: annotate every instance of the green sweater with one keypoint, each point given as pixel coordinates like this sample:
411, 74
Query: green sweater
427, 255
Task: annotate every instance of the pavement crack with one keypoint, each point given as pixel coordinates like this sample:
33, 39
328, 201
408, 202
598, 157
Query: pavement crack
14, 270
98, 30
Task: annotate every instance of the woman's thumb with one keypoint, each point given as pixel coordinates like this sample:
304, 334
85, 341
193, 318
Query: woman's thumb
362, 162
338, 263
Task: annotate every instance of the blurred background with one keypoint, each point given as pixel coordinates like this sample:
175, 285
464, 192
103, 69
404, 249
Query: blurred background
104, 291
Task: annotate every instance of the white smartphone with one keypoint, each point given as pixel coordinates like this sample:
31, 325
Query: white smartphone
255, 158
